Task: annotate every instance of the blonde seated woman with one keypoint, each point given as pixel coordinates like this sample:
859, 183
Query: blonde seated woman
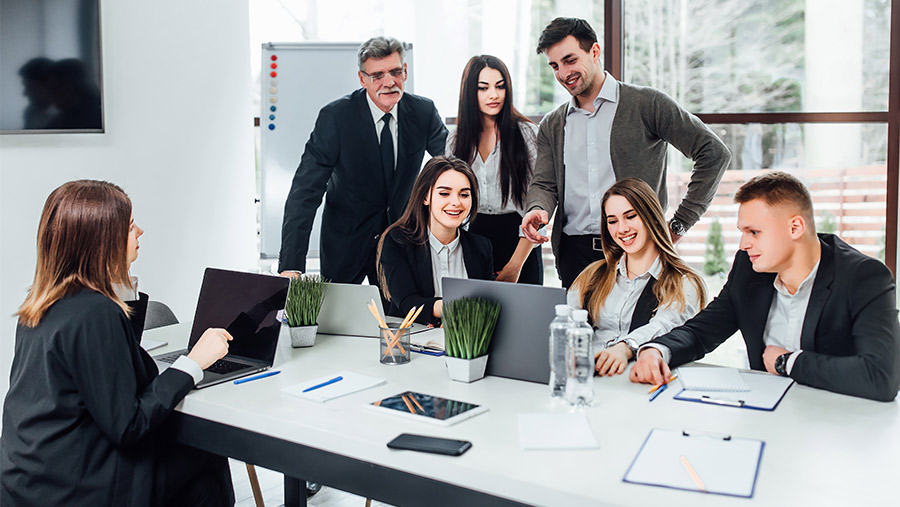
642, 289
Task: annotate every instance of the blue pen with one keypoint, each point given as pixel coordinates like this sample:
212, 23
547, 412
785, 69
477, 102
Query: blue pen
323, 384
261, 375
656, 393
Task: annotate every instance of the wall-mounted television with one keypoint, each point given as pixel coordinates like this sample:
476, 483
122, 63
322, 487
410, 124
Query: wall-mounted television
50, 67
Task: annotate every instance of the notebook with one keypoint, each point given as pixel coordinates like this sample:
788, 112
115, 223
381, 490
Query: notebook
765, 392
344, 311
693, 461
520, 348
246, 305
701, 378
350, 383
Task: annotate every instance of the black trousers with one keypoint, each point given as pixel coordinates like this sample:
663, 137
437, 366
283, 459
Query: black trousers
575, 253
503, 233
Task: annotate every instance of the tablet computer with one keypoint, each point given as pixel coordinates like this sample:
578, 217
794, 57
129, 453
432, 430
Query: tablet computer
428, 408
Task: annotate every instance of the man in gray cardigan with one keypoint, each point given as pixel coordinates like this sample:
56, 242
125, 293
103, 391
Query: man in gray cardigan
607, 132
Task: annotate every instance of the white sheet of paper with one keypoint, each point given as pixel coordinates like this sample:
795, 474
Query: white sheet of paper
711, 378
555, 431
351, 383
726, 467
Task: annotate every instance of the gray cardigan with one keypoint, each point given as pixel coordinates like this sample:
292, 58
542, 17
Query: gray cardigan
646, 120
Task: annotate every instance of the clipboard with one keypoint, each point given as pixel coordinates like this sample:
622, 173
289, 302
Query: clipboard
697, 461
766, 392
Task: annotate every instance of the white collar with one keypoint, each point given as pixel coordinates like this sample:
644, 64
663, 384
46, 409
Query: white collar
437, 245
609, 92
378, 113
653, 271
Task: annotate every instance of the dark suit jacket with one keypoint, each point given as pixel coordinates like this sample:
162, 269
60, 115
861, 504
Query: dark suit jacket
81, 418
343, 155
850, 337
407, 271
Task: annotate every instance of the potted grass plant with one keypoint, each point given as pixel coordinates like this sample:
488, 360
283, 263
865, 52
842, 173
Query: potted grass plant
305, 296
468, 328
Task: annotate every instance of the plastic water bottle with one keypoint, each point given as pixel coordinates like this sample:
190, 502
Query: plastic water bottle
558, 328
579, 360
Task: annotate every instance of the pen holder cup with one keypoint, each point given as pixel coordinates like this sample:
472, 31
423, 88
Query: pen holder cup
394, 345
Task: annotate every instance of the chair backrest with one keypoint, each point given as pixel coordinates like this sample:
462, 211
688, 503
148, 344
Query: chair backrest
159, 315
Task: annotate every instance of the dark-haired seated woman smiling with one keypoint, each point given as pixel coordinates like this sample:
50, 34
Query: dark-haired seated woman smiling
83, 421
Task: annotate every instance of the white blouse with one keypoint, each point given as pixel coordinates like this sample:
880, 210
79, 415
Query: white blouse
612, 325
490, 197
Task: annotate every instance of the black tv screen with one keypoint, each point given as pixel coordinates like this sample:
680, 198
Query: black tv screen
50, 66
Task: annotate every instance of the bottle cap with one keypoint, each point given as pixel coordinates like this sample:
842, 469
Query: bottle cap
579, 315
563, 310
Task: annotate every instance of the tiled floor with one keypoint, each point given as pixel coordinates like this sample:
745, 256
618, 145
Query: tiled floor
272, 486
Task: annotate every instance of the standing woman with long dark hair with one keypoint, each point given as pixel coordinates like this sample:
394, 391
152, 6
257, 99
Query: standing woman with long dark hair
83, 418
498, 143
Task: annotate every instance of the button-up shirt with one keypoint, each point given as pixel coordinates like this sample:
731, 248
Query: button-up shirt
446, 260
377, 115
589, 170
786, 315
614, 321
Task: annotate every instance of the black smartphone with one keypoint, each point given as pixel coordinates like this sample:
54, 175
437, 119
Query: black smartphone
434, 445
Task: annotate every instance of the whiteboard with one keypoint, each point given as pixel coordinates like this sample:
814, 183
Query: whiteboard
308, 75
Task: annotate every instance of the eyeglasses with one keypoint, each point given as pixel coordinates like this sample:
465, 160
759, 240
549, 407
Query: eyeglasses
378, 76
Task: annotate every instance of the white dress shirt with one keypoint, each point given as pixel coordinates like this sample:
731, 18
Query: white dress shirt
786, 315
446, 260
377, 114
614, 321
589, 170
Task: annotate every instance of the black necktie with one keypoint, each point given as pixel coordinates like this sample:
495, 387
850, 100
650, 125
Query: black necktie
387, 151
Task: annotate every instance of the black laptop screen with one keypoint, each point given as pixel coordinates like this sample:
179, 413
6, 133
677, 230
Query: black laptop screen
244, 304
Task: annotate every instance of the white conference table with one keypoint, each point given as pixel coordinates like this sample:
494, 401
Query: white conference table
820, 448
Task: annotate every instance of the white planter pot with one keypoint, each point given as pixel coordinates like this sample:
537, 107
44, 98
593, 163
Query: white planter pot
466, 370
303, 336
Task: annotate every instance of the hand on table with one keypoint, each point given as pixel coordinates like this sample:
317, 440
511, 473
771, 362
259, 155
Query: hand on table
612, 361
770, 355
650, 368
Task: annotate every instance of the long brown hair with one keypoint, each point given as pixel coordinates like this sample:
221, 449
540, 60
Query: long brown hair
515, 168
598, 278
82, 243
413, 224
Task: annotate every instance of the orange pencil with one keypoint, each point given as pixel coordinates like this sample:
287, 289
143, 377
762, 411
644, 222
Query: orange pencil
654, 388
690, 469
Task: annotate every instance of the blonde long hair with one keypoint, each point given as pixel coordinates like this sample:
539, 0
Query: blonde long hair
598, 278
82, 243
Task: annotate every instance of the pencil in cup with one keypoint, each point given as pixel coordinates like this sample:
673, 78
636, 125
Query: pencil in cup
392, 339
394, 345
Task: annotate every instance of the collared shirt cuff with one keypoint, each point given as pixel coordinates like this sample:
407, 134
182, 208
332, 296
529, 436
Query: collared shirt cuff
666, 353
791, 360
189, 366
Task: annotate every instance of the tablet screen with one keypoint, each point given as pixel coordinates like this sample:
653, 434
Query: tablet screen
426, 405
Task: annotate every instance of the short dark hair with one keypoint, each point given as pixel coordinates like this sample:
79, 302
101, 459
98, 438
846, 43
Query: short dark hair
560, 28
778, 188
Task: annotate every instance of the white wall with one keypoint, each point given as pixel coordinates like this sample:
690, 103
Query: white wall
178, 140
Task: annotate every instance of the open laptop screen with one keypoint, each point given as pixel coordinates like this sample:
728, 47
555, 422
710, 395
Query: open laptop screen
244, 304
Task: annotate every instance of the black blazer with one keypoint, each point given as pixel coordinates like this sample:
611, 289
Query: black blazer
81, 418
343, 155
407, 271
850, 337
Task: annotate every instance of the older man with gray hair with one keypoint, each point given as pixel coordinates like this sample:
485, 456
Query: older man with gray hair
366, 150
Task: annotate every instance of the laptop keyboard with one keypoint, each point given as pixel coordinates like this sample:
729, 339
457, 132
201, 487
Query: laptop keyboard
222, 366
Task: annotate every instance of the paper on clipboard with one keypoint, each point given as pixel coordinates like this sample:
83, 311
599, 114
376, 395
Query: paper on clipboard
726, 465
766, 392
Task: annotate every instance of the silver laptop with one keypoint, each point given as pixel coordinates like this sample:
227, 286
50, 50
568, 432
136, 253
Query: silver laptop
345, 311
246, 305
520, 348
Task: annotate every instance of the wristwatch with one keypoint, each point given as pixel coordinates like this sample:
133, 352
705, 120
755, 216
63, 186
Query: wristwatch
629, 342
781, 364
677, 227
